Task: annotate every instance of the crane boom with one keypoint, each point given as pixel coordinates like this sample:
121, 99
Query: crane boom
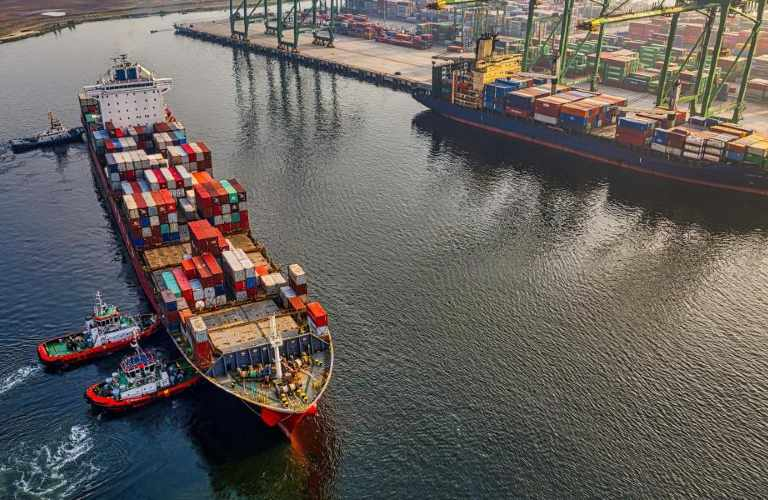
594, 24
441, 4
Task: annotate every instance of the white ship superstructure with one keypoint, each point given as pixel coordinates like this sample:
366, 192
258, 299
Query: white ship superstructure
130, 95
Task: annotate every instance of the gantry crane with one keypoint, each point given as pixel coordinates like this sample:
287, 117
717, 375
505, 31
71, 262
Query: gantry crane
721, 9
288, 21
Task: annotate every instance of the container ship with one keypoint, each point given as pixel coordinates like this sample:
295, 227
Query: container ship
491, 93
243, 322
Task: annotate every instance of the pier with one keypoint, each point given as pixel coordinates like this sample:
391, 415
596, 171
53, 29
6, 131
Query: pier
382, 64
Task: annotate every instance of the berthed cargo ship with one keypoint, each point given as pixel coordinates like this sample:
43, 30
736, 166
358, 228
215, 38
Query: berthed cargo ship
665, 143
244, 323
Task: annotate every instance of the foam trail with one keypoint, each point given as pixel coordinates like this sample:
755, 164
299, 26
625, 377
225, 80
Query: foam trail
45, 472
18, 377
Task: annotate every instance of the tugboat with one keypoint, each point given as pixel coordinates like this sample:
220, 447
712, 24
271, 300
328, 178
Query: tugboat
143, 377
106, 331
55, 135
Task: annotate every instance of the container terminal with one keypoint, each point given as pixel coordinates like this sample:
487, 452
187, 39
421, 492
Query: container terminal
241, 321
676, 91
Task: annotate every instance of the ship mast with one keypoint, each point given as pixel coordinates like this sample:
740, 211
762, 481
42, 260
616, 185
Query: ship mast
276, 341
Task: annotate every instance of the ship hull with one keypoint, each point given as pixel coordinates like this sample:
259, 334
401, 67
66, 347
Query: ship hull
285, 420
719, 175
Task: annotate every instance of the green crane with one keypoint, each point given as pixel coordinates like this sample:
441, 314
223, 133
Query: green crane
705, 89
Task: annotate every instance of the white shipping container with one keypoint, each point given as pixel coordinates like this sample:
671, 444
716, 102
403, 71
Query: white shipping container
711, 157
146, 232
154, 220
691, 155
184, 232
551, 120
297, 274
209, 293
661, 148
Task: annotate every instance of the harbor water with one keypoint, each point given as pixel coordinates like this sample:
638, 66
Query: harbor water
508, 321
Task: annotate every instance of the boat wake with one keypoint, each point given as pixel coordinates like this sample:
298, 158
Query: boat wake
19, 376
45, 472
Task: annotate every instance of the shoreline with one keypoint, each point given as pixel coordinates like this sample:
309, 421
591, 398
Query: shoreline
22, 32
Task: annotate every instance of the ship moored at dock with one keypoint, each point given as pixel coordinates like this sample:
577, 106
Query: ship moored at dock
244, 323
663, 142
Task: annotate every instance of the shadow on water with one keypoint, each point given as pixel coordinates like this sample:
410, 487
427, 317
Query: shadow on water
716, 210
248, 459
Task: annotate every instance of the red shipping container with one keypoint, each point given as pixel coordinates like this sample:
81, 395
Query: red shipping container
160, 203
189, 268
186, 288
296, 303
217, 275
203, 353
239, 286
262, 269
317, 313
130, 175
244, 224
203, 272
631, 137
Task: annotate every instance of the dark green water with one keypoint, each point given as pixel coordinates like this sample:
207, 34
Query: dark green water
509, 322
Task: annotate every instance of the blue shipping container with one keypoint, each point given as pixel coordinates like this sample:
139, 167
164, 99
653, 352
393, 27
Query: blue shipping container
634, 123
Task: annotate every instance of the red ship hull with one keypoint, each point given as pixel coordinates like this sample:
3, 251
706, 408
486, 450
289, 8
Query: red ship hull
123, 405
76, 358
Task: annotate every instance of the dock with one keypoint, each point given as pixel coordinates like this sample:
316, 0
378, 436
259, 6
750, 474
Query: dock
379, 63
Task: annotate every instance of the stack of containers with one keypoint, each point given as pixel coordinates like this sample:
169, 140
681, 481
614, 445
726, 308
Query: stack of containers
660, 140
152, 218
520, 103
736, 150
694, 145
195, 156
298, 279
142, 135
205, 238
240, 273
99, 137
176, 179
493, 96
272, 283
317, 318
119, 145
714, 146
547, 109
222, 203
756, 152
582, 115
124, 166
634, 131
676, 140
609, 110
197, 334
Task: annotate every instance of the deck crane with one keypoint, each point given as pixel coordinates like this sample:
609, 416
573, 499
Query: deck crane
703, 96
276, 341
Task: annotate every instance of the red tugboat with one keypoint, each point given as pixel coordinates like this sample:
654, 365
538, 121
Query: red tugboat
106, 331
143, 377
